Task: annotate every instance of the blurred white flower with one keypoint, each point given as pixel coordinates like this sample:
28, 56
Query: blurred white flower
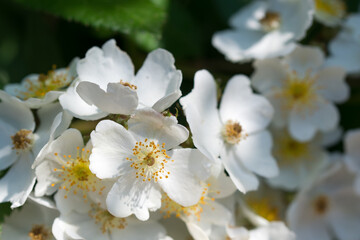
296, 160
328, 208
107, 83
265, 29
144, 161
235, 132
19, 145
32, 221
330, 12
345, 47
352, 154
302, 91
37, 90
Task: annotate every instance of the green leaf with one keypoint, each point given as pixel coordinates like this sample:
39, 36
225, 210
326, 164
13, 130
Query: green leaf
138, 18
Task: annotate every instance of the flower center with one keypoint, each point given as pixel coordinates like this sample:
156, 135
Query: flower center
46, 82
233, 132
149, 161
170, 207
22, 140
289, 151
321, 204
106, 221
334, 8
39, 232
271, 21
126, 84
263, 208
75, 175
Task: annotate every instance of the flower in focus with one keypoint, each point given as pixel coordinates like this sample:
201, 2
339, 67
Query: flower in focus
37, 90
302, 91
345, 47
143, 160
265, 29
327, 208
235, 132
107, 83
330, 12
20, 143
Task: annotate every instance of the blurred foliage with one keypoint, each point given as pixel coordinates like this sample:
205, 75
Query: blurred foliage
38, 33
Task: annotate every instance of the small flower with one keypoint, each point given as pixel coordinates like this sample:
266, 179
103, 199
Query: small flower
107, 83
143, 160
20, 143
302, 91
235, 132
262, 24
328, 207
37, 90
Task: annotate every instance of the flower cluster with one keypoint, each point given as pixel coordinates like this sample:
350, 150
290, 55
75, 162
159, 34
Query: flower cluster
95, 151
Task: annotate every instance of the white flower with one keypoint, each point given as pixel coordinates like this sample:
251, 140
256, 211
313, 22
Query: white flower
141, 161
302, 91
296, 160
91, 221
107, 83
235, 132
64, 165
328, 208
32, 221
19, 145
37, 90
352, 155
330, 12
345, 47
265, 29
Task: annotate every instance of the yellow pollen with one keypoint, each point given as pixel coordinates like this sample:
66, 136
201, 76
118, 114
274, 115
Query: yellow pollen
75, 175
335, 8
39, 232
22, 140
106, 221
149, 161
51, 81
271, 21
233, 132
263, 208
321, 204
170, 207
126, 84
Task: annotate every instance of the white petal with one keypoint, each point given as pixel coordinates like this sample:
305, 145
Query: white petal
269, 74
102, 66
117, 99
112, 143
255, 154
243, 179
352, 143
303, 125
248, 16
181, 185
158, 78
130, 195
7, 155
147, 123
239, 103
332, 84
18, 182
73, 103
201, 112
305, 58
10, 110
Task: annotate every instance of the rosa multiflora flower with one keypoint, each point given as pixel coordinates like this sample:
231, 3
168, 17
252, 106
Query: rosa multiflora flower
265, 29
302, 91
235, 132
330, 12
